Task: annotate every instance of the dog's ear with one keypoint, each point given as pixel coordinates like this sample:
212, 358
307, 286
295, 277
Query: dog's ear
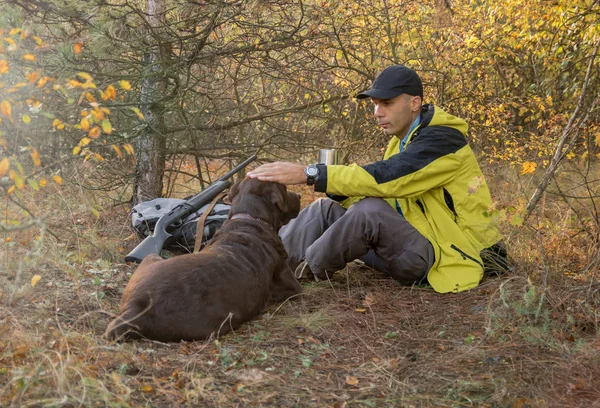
293, 205
279, 198
233, 190
288, 203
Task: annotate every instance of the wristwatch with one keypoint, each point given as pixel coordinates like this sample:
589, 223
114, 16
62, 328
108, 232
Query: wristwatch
312, 172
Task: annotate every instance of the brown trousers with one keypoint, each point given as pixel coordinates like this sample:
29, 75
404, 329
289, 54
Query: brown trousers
327, 236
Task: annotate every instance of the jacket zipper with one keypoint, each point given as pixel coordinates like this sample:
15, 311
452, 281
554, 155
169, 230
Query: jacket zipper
465, 255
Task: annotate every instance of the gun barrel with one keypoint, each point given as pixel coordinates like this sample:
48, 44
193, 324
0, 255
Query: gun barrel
237, 168
153, 244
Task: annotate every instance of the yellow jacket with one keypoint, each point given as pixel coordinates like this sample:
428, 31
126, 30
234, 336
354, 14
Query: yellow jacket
438, 187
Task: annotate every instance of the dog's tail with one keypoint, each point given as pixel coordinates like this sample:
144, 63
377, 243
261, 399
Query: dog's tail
124, 328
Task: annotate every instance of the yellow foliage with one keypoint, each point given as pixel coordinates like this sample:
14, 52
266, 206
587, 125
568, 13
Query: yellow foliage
76, 150
85, 124
77, 48
6, 109
125, 85
111, 92
528, 167
29, 57
43, 183
94, 132
34, 280
85, 76
35, 156
57, 179
3, 67
118, 151
128, 148
4, 166
32, 77
106, 126
26, 118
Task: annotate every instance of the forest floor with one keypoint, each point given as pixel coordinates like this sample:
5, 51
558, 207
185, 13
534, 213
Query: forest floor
529, 338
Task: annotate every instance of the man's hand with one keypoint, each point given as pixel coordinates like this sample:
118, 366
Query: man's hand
280, 172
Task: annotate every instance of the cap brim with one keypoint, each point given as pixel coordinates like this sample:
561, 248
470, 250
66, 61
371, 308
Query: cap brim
378, 93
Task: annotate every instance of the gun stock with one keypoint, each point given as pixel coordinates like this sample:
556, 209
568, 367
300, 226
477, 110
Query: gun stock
154, 243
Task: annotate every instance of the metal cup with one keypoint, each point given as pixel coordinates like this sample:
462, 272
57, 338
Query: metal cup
328, 156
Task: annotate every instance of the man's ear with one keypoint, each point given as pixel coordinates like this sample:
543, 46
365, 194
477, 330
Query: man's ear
416, 102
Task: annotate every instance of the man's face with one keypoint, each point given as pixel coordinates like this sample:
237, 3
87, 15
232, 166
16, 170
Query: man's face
397, 114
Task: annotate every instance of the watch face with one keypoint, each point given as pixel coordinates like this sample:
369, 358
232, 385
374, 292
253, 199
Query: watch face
312, 171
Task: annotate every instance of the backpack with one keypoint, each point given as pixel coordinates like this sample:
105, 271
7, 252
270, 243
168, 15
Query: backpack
145, 215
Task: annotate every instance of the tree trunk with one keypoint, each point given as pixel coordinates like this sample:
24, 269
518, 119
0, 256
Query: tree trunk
151, 143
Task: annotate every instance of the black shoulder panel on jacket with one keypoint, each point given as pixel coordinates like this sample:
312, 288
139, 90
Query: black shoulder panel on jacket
429, 144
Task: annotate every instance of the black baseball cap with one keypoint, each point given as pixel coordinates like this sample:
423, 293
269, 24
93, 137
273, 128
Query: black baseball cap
393, 81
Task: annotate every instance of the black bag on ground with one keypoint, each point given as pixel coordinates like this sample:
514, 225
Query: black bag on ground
145, 215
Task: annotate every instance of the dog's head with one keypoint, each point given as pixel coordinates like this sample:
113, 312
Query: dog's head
251, 195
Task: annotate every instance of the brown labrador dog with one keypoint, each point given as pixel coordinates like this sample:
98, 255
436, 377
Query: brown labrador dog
191, 297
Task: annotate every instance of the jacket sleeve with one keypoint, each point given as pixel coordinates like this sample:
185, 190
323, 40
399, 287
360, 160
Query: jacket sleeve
427, 162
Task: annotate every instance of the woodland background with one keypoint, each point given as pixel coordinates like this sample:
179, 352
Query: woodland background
107, 103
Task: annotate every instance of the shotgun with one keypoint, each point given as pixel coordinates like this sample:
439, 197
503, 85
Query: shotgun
153, 244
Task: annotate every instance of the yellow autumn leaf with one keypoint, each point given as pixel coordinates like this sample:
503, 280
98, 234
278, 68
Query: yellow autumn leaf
85, 141
597, 139
26, 118
98, 115
111, 92
89, 97
4, 166
19, 182
35, 156
76, 150
85, 76
34, 280
6, 109
94, 132
32, 77
3, 67
129, 149
42, 81
125, 85
118, 151
14, 31
43, 183
56, 122
528, 167
29, 57
57, 179
11, 190
85, 124
147, 388
138, 113
77, 48
106, 126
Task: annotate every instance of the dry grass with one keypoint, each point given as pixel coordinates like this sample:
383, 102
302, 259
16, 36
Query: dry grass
528, 339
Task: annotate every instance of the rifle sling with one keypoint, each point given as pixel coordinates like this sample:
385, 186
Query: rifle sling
202, 219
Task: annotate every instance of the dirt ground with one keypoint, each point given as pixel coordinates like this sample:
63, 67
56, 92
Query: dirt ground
358, 340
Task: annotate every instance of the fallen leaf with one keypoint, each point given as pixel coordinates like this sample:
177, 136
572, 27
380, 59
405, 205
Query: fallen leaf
351, 380
34, 280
